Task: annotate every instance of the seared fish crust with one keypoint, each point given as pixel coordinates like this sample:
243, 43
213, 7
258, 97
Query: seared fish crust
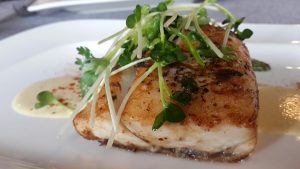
220, 121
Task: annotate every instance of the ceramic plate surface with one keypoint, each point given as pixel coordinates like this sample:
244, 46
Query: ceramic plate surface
49, 51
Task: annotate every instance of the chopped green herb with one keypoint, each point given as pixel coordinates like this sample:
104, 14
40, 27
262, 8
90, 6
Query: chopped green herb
162, 6
135, 17
87, 79
237, 24
171, 113
45, 98
167, 53
159, 120
125, 57
242, 35
182, 97
203, 17
260, 66
245, 34
90, 67
151, 30
174, 113
188, 42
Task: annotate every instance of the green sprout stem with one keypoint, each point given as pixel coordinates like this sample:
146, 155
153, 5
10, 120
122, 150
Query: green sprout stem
110, 100
207, 40
113, 36
231, 18
189, 44
162, 32
164, 91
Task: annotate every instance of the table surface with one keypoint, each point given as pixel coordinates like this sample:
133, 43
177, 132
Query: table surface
255, 11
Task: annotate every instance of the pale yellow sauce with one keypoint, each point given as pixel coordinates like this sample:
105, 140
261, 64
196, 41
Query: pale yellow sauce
279, 107
66, 89
279, 110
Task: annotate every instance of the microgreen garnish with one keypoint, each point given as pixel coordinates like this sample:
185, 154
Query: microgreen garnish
46, 98
135, 17
167, 53
260, 66
245, 34
203, 17
155, 33
125, 57
162, 6
171, 113
90, 68
151, 30
242, 35
189, 44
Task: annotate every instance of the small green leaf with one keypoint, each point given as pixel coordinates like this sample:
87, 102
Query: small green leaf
242, 35
182, 97
125, 57
238, 23
167, 53
203, 21
131, 21
159, 120
226, 21
151, 30
161, 7
145, 10
246, 34
90, 68
84, 51
45, 98
202, 12
260, 65
87, 79
174, 113
188, 41
170, 113
138, 13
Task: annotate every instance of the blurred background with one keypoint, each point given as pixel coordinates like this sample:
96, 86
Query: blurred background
20, 15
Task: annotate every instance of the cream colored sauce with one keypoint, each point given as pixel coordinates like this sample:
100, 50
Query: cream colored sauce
279, 107
66, 89
279, 110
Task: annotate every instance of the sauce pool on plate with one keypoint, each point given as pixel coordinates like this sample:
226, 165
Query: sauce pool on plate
65, 89
279, 107
279, 110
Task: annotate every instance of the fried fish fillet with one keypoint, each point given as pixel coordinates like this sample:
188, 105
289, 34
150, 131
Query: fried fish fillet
220, 121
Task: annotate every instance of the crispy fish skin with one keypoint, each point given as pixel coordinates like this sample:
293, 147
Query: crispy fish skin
220, 121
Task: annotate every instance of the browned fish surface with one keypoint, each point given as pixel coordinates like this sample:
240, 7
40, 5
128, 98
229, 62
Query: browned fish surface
221, 119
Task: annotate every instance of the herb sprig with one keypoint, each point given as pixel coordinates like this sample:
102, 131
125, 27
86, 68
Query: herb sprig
46, 98
260, 66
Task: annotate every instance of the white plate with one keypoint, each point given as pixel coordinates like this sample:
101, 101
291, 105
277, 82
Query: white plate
49, 51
